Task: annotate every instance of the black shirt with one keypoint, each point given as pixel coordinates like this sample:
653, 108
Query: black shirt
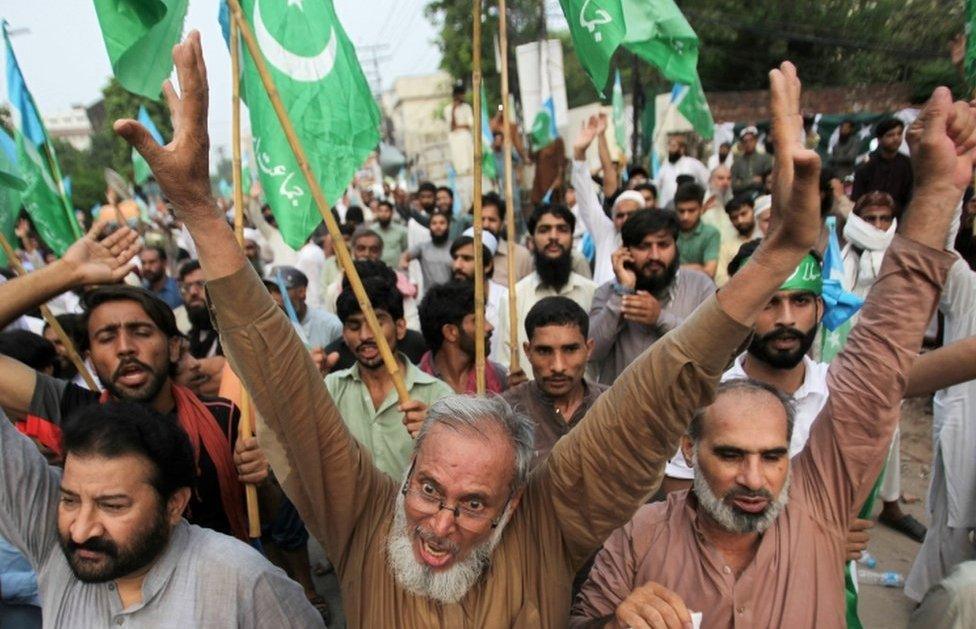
893, 176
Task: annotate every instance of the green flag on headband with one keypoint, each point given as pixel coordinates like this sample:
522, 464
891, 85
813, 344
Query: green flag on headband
316, 72
654, 30
139, 37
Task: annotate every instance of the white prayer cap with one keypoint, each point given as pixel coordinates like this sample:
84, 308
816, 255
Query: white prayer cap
747, 130
487, 239
629, 195
762, 205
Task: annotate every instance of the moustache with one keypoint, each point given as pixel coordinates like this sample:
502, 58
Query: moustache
434, 540
128, 363
742, 492
782, 334
95, 545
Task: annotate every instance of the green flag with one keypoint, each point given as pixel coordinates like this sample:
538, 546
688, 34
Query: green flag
42, 200
654, 30
970, 64
541, 134
694, 108
487, 155
619, 124
316, 72
11, 186
139, 37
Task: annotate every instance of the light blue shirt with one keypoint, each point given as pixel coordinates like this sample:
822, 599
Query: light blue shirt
321, 327
18, 582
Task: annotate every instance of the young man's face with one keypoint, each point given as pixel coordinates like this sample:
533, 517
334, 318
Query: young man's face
891, 141
689, 214
383, 214
112, 522
362, 343
654, 255
558, 355
439, 225
131, 355
491, 219
743, 219
462, 265
880, 216
153, 266
426, 199
785, 328
444, 201
553, 236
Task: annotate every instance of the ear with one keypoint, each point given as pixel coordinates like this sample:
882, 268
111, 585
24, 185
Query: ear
176, 505
590, 344
174, 349
687, 448
401, 329
525, 347
820, 309
450, 332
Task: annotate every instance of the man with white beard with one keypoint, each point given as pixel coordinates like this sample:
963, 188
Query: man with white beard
759, 539
468, 496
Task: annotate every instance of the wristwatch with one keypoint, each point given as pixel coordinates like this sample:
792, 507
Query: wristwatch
620, 289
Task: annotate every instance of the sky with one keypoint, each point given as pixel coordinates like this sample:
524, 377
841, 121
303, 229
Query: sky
64, 61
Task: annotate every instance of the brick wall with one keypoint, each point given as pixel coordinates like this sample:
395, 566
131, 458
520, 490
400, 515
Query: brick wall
750, 106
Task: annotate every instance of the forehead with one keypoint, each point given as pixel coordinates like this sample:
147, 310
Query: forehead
195, 275
747, 419
687, 206
628, 206
659, 237
149, 255
464, 251
117, 312
556, 335
489, 209
368, 240
550, 220
99, 475
467, 459
876, 209
438, 217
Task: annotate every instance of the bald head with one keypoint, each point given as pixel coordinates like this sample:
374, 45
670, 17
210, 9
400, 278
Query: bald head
744, 401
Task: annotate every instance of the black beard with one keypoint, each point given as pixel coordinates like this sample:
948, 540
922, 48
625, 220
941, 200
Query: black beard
674, 157
748, 230
119, 562
760, 347
144, 394
199, 317
554, 272
384, 224
656, 284
440, 240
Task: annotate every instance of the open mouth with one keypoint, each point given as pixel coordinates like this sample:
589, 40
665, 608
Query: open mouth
751, 505
132, 376
368, 351
433, 554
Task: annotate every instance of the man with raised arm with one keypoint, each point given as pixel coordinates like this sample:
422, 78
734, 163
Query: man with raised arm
758, 540
414, 552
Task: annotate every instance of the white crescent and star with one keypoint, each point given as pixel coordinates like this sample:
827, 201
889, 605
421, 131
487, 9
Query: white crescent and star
298, 67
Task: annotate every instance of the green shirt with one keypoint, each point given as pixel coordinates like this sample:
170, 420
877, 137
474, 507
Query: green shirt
700, 245
394, 243
381, 430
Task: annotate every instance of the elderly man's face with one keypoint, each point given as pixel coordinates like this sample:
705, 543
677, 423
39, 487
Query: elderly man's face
452, 511
623, 211
741, 461
721, 179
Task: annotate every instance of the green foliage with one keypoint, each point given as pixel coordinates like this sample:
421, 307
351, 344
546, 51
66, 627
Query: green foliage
108, 150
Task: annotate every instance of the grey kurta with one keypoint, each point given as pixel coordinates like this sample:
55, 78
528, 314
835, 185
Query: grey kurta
202, 579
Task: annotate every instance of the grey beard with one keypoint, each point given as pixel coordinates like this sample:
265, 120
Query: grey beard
726, 516
448, 586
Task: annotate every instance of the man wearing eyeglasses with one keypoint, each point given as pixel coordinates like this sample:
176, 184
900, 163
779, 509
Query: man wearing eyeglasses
468, 538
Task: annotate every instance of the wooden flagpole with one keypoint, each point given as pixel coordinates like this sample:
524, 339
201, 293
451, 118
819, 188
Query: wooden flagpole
479, 264
509, 192
245, 427
341, 249
69, 346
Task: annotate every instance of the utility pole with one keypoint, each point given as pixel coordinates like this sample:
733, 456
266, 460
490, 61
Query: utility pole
370, 58
637, 106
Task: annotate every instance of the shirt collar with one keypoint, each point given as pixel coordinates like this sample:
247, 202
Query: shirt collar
411, 373
162, 571
814, 378
573, 282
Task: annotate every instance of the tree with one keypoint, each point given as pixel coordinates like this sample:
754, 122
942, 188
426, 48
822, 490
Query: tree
120, 103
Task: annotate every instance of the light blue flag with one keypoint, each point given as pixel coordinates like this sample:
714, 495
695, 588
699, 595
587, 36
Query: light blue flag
839, 305
150, 126
20, 97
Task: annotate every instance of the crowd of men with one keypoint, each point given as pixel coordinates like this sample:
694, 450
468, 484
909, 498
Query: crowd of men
668, 442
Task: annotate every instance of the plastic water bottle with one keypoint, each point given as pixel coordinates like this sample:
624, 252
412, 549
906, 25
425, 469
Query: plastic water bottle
867, 560
887, 579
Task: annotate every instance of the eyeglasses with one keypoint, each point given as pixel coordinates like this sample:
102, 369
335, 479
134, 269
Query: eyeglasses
429, 502
186, 286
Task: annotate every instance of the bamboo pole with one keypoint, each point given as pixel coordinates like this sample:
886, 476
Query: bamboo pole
341, 249
69, 346
245, 428
479, 263
509, 193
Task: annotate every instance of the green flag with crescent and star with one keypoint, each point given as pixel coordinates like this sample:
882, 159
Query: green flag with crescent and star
139, 35
316, 72
654, 30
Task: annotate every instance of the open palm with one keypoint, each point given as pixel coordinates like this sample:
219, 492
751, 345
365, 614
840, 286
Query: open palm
103, 260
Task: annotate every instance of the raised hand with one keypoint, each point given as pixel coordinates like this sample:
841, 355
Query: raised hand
182, 167
102, 260
795, 212
601, 123
586, 135
943, 146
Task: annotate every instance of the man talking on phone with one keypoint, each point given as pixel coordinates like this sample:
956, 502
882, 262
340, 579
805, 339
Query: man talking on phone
647, 298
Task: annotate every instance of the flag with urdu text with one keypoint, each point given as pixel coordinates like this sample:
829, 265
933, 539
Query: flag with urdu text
619, 124
487, 154
139, 37
140, 169
11, 186
654, 30
43, 197
323, 89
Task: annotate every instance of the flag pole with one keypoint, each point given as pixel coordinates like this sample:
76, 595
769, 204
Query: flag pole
341, 249
69, 346
245, 427
509, 191
479, 263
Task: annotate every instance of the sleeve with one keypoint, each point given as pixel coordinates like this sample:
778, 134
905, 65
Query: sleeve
277, 601
612, 579
46, 402
332, 480
18, 586
591, 211
416, 251
29, 495
712, 244
605, 468
849, 442
605, 321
